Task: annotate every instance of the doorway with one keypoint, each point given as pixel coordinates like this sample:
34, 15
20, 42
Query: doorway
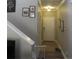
48, 29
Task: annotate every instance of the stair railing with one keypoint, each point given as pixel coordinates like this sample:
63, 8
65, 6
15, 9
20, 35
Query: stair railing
41, 46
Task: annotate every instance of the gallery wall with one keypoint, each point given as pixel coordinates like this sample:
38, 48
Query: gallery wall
26, 24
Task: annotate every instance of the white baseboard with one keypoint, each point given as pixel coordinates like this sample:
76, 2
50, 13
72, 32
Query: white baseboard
61, 49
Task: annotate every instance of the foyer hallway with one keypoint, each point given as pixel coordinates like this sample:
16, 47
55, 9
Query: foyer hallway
37, 24
51, 51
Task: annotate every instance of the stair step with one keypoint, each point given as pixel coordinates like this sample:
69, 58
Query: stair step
51, 58
51, 51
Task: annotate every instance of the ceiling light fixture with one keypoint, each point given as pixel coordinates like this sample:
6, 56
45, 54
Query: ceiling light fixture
49, 8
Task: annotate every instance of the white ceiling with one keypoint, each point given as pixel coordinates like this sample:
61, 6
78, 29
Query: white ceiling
50, 2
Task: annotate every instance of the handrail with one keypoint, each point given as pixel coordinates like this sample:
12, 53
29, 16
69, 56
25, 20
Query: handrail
41, 46
20, 33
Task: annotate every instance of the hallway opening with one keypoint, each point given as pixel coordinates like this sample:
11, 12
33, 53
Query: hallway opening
54, 19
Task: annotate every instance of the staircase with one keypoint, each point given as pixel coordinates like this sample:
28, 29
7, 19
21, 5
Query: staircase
23, 43
51, 51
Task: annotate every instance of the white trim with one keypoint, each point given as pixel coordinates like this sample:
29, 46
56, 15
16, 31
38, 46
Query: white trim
61, 3
64, 55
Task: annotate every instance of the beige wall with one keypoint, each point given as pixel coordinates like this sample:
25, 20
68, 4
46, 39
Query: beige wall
65, 38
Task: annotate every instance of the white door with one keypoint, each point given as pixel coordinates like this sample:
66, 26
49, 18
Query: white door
48, 28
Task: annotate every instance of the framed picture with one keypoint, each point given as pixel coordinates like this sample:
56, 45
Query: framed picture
25, 12
11, 5
32, 8
62, 25
32, 15
32, 11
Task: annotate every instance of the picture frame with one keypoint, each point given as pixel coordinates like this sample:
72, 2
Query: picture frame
32, 11
32, 15
11, 5
25, 12
61, 25
32, 8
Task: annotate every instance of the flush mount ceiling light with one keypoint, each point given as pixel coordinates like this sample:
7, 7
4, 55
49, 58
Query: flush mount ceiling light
49, 8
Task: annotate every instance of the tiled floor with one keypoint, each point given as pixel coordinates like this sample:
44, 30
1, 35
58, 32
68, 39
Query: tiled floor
51, 51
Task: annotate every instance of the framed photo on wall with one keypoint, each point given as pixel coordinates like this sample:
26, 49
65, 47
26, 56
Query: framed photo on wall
11, 5
25, 12
61, 25
32, 11
32, 15
32, 8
